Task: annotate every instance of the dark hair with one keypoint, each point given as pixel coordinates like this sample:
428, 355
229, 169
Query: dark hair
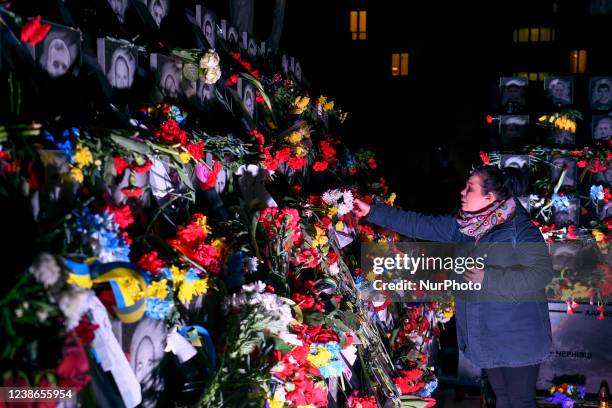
603, 85
504, 183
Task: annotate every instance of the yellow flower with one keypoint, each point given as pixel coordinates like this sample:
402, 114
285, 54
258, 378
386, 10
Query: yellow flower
328, 106
300, 104
275, 403
322, 100
321, 356
391, 199
83, 156
599, 236
202, 223
76, 174
320, 239
339, 226
158, 289
190, 289
342, 117
294, 137
542, 118
131, 288
332, 212
219, 245
300, 151
178, 275
185, 157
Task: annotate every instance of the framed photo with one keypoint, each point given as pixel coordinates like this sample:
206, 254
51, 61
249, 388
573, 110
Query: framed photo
59, 51
602, 127
168, 73
601, 93
287, 64
248, 44
520, 162
230, 34
564, 216
118, 61
565, 255
207, 21
512, 91
513, 129
246, 91
561, 136
159, 9
559, 90
559, 163
119, 7
297, 70
205, 94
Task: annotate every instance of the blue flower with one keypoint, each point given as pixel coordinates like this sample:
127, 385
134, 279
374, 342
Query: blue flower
428, 389
334, 348
559, 201
597, 193
332, 369
165, 273
192, 275
158, 309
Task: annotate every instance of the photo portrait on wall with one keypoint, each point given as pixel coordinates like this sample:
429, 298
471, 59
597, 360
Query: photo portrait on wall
59, 51
513, 129
168, 74
159, 10
559, 90
207, 21
205, 94
601, 93
118, 61
520, 162
561, 136
560, 163
246, 91
602, 127
230, 35
564, 216
512, 92
119, 7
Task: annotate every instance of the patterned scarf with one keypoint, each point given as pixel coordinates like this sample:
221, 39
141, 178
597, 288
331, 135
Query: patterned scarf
477, 224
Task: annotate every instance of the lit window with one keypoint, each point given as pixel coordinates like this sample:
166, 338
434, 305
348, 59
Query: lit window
578, 60
358, 24
533, 34
399, 64
533, 76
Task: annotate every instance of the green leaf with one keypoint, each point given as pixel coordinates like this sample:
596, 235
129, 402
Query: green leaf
130, 144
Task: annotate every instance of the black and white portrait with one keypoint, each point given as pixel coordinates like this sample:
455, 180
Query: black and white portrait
119, 7
563, 216
207, 20
561, 136
230, 34
146, 350
59, 51
559, 90
206, 94
513, 129
602, 127
560, 163
158, 9
286, 64
246, 91
297, 70
248, 44
601, 96
603, 177
512, 92
565, 255
118, 62
168, 73
520, 162
605, 211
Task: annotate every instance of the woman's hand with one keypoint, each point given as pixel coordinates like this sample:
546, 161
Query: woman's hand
474, 275
360, 208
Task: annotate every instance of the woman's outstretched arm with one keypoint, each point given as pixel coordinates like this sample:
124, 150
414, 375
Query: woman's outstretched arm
413, 224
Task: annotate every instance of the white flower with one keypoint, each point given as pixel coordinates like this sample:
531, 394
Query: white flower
42, 314
333, 269
209, 60
251, 264
212, 75
258, 287
45, 269
342, 200
73, 303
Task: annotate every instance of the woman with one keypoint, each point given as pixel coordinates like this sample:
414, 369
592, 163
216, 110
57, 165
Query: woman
503, 328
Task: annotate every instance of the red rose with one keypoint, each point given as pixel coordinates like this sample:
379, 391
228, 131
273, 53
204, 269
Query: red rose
86, 330
73, 370
34, 31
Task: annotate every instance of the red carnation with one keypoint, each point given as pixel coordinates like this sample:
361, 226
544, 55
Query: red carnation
142, 169
582, 164
297, 163
372, 163
196, 150
73, 370
283, 154
485, 158
120, 164
151, 262
86, 330
308, 257
34, 31
132, 192
122, 215
320, 166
